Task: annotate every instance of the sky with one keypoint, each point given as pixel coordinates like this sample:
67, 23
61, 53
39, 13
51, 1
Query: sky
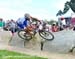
41, 9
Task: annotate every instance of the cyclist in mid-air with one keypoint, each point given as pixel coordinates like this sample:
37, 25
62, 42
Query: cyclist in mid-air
25, 22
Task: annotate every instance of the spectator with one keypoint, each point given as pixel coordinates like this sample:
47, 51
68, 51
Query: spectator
13, 26
2, 23
54, 28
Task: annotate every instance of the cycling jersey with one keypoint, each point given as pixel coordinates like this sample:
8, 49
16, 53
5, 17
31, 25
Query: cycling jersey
22, 22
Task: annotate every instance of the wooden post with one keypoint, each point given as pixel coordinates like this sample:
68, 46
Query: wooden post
42, 44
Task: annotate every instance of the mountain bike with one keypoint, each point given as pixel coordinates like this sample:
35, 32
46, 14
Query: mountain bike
47, 35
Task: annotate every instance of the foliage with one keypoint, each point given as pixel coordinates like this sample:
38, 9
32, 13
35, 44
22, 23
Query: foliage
52, 22
67, 6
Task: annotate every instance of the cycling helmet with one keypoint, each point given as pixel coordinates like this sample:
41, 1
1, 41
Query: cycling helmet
27, 15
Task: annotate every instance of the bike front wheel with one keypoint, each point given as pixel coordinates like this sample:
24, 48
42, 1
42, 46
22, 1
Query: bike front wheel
24, 35
46, 35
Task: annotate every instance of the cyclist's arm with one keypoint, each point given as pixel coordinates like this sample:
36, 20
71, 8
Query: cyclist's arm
37, 20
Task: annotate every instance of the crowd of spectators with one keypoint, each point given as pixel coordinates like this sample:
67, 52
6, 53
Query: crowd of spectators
9, 24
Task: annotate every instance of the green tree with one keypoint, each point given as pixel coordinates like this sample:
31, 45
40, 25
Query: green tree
52, 22
67, 6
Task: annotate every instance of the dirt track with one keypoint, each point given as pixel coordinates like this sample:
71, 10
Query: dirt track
56, 49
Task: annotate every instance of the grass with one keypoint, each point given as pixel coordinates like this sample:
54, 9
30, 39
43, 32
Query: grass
5, 54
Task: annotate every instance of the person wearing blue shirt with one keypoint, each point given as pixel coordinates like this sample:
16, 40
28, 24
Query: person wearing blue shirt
23, 22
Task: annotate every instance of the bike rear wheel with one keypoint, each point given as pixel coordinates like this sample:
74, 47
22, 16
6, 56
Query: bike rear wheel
46, 35
24, 35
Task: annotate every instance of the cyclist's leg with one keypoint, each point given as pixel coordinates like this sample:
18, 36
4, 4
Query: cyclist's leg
30, 30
